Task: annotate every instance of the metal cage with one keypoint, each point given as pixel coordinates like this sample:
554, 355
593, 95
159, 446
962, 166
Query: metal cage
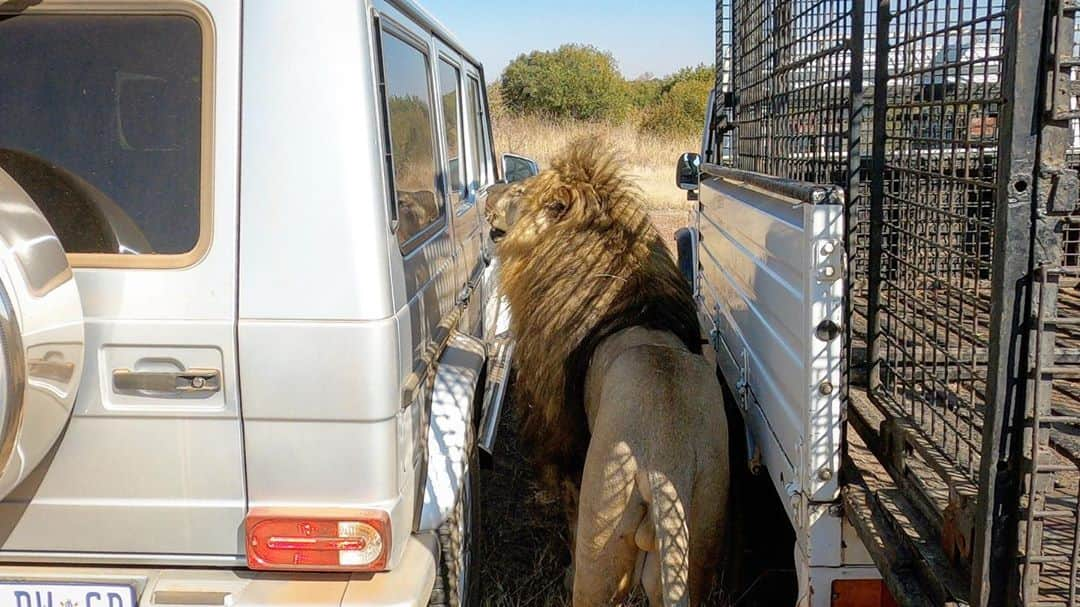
954, 128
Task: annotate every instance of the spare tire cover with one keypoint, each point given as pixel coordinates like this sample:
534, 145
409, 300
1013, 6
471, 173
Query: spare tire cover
41, 336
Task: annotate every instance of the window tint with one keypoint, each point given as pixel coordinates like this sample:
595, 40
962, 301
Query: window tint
449, 92
480, 155
408, 100
101, 123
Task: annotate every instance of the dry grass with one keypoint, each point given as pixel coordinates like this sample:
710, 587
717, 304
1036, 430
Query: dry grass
524, 551
651, 159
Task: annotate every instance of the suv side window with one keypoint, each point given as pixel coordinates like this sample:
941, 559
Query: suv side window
478, 173
102, 121
450, 94
408, 104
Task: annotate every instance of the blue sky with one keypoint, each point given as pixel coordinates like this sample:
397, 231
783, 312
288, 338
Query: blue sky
643, 35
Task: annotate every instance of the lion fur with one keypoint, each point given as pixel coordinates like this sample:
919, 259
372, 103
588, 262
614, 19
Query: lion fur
601, 267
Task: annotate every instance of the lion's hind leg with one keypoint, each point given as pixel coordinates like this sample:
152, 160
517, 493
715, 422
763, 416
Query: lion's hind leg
610, 511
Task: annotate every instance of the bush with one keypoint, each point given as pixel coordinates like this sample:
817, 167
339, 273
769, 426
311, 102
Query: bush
680, 109
644, 92
573, 81
698, 73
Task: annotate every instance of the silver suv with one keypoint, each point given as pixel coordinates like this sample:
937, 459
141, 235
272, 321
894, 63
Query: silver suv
248, 341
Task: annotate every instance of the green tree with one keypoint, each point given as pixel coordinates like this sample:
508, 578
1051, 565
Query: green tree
644, 92
698, 73
572, 81
680, 107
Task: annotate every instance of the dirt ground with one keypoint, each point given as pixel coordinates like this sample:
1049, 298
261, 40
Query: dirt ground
669, 222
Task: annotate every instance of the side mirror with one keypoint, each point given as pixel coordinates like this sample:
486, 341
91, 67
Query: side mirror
688, 171
518, 168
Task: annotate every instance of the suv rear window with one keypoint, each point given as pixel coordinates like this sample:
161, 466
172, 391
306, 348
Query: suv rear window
101, 123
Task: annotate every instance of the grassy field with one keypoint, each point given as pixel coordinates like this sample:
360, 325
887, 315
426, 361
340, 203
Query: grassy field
649, 158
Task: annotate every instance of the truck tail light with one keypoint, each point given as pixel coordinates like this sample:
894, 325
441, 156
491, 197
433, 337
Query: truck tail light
318, 540
861, 593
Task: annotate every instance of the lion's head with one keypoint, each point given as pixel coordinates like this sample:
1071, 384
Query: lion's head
503, 206
580, 260
584, 189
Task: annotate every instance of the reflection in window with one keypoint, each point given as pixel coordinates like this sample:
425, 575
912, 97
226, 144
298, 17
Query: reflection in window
409, 93
448, 92
475, 118
101, 123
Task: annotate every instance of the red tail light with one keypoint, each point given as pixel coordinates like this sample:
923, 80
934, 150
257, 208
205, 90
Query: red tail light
861, 593
318, 541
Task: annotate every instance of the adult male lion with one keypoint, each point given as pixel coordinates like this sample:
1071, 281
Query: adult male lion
620, 400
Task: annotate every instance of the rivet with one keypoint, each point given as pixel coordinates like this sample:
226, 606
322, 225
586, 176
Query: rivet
828, 248
825, 387
824, 474
828, 271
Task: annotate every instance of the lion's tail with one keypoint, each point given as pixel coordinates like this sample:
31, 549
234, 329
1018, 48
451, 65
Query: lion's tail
669, 513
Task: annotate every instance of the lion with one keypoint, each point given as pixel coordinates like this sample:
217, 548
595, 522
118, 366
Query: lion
623, 411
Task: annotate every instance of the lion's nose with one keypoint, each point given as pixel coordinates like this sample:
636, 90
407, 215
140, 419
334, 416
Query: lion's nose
497, 234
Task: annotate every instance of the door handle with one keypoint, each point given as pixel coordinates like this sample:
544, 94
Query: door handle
196, 383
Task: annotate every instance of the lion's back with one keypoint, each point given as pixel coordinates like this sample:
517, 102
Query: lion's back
663, 394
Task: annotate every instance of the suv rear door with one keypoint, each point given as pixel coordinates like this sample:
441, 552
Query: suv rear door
141, 107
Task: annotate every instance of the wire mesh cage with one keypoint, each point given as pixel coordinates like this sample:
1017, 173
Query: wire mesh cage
941, 97
791, 76
969, 316
1050, 531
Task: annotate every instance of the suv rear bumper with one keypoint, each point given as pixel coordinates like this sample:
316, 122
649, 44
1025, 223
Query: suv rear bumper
409, 584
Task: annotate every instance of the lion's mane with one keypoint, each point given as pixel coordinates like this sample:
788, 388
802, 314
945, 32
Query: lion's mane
601, 268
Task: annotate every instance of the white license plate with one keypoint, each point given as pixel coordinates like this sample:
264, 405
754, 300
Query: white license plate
58, 594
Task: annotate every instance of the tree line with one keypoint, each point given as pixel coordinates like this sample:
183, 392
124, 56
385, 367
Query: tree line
582, 82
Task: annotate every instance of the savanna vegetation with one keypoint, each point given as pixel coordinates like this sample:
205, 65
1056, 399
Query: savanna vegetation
545, 99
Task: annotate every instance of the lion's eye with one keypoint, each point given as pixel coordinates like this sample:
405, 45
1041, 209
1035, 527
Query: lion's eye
557, 207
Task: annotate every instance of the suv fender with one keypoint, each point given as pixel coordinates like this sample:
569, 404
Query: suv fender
41, 336
450, 428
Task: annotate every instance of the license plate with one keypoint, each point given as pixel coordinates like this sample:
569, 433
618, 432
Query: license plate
56, 594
